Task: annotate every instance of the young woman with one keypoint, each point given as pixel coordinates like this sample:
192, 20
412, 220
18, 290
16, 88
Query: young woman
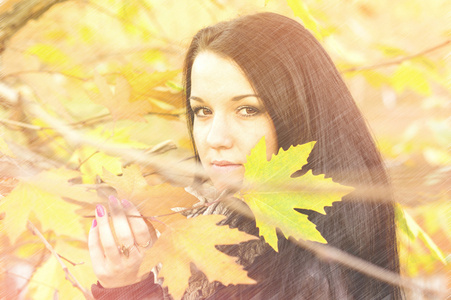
266, 75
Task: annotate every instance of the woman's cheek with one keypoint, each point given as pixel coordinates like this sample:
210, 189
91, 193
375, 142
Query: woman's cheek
200, 144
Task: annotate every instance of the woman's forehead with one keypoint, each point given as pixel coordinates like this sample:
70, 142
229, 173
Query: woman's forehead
213, 74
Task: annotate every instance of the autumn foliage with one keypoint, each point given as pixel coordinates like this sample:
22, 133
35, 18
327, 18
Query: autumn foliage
91, 104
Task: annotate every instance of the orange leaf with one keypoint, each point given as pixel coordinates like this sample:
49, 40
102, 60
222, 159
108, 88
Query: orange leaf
118, 103
150, 200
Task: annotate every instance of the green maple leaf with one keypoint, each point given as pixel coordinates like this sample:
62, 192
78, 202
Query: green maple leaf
273, 195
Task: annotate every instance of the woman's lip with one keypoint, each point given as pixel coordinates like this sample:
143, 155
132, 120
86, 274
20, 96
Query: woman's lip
224, 165
225, 168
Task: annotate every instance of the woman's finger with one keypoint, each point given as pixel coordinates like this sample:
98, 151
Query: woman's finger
143, 233
121, 226
105, 234
95, 249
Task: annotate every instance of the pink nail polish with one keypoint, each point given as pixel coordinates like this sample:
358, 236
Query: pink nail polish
100, 211
125, 203
94, 223
113, 200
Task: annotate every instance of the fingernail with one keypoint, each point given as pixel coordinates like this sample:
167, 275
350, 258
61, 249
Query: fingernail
94, 223
125, 203
113, 200
100, 211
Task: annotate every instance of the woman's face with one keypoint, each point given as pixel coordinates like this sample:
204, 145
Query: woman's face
229, 118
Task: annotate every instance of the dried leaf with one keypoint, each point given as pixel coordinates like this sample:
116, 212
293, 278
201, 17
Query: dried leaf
150, 200
118, 103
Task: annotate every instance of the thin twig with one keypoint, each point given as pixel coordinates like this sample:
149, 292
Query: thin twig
21, 124
92, 120
25, 72
71, 262
87, 122
71, 278
397, 61
86, 159
154, 218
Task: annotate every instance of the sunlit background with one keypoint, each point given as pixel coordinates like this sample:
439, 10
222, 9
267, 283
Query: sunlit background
394, 55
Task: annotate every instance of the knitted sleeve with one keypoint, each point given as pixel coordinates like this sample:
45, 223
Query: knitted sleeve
145, 289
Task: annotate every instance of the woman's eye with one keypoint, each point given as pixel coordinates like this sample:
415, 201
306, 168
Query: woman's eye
248, 111
201, 111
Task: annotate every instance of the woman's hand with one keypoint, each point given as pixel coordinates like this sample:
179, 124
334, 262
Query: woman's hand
116, 263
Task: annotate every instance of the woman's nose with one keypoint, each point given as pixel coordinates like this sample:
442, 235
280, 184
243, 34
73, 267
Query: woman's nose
220, 135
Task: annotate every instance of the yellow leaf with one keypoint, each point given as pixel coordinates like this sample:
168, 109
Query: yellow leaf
180, 244
407, 76
56, 58
4, 149
374, 78
301, 10
93, 162
56, 34
30, 247
151, 56
391, 51
49, 54
411, 228
145, 85
143, 81
87, 33
42, 195
273, 195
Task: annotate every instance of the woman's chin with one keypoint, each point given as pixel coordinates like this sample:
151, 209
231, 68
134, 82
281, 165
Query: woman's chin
231, 183
224, 178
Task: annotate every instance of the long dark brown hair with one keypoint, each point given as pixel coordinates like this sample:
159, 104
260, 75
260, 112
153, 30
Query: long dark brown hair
307, 100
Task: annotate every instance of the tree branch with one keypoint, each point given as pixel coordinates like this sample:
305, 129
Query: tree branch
326, 252
71, 278
329, 253
177, 175
50, 72
397, 61
21, 124
17, 17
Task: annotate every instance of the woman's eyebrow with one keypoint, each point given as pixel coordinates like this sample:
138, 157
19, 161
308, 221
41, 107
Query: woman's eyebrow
195, 99
236, 98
